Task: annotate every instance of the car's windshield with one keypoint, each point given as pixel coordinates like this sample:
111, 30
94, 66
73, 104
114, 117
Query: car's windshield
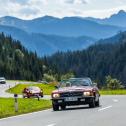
76, 82
33, 88
2, 78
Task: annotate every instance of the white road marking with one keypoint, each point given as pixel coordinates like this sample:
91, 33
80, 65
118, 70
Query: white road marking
105, 108
115, 100
52, 124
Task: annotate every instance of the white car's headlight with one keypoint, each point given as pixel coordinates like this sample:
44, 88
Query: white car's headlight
56, 95
87, 93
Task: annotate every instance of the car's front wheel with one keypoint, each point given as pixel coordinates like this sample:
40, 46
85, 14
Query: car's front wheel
28, 96
55, 107
63, 107
97, 103
23, 96
41, 95
92, 103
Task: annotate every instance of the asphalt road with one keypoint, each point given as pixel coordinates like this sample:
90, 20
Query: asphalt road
4, 87
112, 112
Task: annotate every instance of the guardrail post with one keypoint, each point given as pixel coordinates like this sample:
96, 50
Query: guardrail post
16, 102
38, 98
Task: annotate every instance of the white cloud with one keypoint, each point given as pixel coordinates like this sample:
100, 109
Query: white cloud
28, 9
76, 1
69, 1
80, 2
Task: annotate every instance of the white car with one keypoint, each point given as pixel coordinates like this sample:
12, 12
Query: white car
2, 80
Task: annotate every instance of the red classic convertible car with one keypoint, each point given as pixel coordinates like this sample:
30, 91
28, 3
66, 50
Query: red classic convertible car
32, 91
76, 91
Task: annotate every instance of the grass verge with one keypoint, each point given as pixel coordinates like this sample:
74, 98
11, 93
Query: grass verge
113, 92
24, 105
47, 88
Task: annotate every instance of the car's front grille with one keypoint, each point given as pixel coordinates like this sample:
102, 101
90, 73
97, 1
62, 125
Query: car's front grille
71, 94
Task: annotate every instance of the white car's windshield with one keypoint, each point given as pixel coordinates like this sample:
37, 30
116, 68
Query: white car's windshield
2, 78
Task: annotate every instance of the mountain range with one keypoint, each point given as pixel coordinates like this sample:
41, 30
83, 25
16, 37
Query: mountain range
47, 35
118, 19
67, 26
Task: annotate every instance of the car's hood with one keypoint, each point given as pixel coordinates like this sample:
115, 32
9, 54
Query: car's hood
73, 88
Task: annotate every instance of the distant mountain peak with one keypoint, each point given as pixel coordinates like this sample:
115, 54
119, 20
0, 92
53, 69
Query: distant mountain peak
122, 12
8, 17
45, 19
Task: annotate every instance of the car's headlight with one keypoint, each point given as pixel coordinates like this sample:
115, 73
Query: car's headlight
56, 95
30, 92
87, 93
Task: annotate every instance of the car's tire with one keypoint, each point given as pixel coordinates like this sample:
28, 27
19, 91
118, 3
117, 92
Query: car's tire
28, 96
92, 103
41, 96
24, 96
55, 107
97, 103
63, 107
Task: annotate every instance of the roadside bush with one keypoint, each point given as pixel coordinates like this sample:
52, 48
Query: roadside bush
67, 76
48, 78
113, 83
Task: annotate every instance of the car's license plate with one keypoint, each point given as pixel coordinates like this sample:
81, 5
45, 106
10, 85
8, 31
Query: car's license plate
71, 99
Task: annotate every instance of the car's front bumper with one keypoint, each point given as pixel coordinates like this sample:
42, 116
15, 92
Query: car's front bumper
2, 82
79, 101
32, 94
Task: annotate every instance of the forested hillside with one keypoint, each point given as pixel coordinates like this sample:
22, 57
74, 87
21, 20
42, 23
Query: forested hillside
106, 57
16, 62
98, 61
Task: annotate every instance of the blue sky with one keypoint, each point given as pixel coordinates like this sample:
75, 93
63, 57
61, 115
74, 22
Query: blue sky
29, 9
